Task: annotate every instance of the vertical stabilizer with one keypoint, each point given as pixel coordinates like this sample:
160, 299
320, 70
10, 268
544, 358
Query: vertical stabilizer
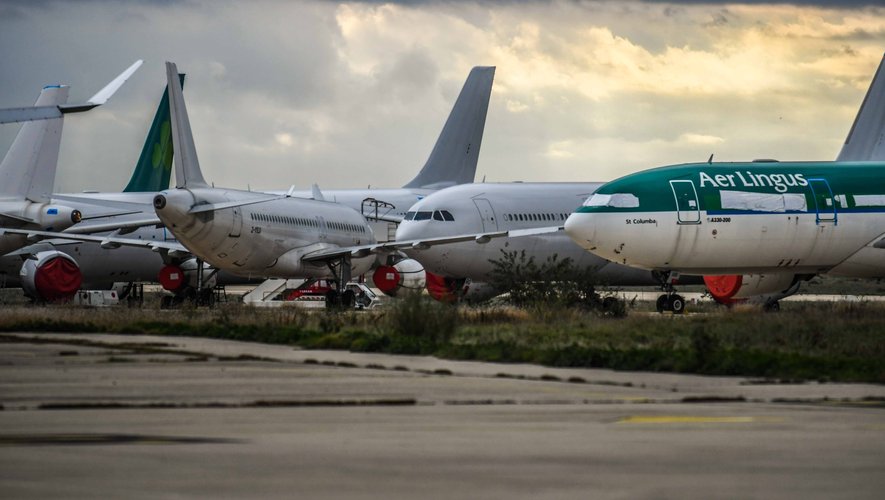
866, 139
187, 166
28, 170
154, 167
454, 156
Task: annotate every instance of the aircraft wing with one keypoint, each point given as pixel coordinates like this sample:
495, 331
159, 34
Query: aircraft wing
14, 220
106, 241
123, 226
13, 115
423, 244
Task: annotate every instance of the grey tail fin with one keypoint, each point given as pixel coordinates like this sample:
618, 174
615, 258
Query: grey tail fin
154, 167
187, 166
866, 139
453, 158
28, 169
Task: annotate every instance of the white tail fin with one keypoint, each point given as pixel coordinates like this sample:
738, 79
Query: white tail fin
454, 156
187, 166
28, 170
866, 139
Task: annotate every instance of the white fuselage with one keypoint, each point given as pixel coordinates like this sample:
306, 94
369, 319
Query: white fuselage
736, 244
479, 208
266, 239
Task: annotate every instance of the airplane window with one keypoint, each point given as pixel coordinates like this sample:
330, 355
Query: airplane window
437, 215
422, 215
409, 216
448, 216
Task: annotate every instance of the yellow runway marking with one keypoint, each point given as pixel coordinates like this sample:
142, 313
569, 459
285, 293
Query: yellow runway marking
689, 419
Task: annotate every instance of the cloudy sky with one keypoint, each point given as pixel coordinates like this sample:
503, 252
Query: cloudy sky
354, 94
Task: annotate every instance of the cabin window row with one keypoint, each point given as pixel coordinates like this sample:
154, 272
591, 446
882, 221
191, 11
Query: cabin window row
531, 217
304, 222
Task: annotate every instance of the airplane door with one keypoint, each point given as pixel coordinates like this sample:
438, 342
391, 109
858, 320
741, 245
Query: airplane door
237, 224
687, 208
323, 228
824, 201
486, 214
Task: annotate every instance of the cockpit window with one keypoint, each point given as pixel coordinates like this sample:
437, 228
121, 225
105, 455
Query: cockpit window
617, 200
409, 216
447, 215
437, 215
423, 215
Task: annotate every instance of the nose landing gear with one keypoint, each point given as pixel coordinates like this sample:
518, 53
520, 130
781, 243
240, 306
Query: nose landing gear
670, 300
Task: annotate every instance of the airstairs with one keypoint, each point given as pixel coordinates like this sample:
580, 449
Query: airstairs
267, 293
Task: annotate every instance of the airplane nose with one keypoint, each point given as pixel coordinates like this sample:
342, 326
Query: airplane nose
580, 228
405, 231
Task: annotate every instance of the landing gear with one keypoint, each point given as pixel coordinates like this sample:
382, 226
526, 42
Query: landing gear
772, 306
339, 298
670, 300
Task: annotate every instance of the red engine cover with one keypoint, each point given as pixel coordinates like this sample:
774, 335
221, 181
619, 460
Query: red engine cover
724, 287
441, 288
171, 277
386, 278
58, 279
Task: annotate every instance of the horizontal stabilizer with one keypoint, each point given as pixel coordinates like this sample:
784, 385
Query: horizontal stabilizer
129, 224
211, 207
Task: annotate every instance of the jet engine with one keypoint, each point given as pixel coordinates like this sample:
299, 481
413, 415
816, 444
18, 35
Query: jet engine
458, 289
50, 276
53, 217
765, 288
406, 274
176, 278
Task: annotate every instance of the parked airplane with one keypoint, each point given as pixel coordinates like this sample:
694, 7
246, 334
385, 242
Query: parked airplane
64, 265
27, 172
255, 234
752, 213
465, 269
453, 160
786, 221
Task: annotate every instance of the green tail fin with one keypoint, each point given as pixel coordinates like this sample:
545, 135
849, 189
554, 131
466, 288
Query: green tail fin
154, 166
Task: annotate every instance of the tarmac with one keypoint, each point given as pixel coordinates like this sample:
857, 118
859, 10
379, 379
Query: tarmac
147, 417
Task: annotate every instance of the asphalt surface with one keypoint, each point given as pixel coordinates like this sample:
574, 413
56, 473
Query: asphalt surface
146, 417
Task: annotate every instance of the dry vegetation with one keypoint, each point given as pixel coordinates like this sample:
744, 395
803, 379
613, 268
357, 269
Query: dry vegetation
821, 341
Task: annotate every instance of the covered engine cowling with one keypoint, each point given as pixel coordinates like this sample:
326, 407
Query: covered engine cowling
406, 274
731, 289
458, 289
175, 278
50, 276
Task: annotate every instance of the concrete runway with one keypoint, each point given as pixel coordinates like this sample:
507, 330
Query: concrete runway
146, 417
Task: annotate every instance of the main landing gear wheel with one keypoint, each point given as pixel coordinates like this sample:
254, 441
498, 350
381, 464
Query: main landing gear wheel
674, 303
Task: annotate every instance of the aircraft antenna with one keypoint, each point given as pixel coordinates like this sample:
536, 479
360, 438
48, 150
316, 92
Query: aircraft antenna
710, 159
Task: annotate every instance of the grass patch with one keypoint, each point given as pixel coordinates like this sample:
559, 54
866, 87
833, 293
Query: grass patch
805, 341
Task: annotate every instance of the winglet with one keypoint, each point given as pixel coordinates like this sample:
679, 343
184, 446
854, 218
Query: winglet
187, 166
866, 139
27, 114
456, 152
104, 94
